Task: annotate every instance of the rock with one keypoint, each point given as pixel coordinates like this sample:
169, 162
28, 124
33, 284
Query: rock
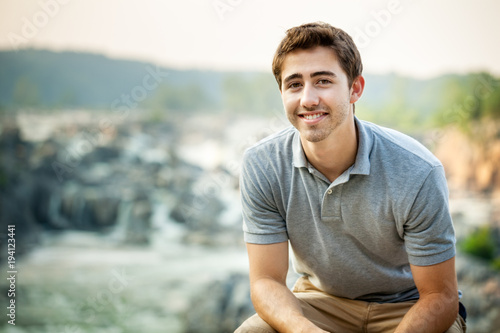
480, 285
471, 160
13, 211
222, 307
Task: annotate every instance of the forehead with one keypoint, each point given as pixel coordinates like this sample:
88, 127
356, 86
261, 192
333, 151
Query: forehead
306, 61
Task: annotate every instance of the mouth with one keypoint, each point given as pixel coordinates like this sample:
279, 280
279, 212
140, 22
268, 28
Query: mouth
313, 117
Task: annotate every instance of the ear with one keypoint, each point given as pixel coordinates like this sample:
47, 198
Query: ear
358, 85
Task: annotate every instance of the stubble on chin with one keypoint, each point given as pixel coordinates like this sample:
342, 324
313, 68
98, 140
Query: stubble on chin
317, 133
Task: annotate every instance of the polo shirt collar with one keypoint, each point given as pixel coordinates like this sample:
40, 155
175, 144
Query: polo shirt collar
299, 157
361, 165
365, 143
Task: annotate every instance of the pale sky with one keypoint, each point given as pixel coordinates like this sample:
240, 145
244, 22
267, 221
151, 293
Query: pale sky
421, 38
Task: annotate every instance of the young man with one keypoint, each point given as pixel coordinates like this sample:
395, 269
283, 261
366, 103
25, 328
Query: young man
363, 208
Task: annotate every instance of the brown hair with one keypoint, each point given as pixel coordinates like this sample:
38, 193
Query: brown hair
310, 35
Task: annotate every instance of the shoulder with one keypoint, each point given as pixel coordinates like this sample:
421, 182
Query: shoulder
272, 149
393, 145
267, 165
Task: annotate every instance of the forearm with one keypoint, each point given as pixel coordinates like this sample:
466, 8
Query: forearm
433, 313
277, 305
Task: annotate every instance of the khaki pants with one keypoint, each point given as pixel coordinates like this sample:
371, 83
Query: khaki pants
336, 314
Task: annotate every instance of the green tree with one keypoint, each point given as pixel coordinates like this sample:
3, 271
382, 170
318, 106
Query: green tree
480, 243
488, 90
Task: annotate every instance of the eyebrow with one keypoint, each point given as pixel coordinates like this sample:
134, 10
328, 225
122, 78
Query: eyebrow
326, 73
292, 77
299, 76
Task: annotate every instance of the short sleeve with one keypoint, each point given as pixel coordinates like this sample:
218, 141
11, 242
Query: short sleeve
262, 221
428, 231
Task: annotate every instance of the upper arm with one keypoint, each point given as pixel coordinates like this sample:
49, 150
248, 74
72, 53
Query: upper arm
263, 221
428, 228
437, 279
268, 261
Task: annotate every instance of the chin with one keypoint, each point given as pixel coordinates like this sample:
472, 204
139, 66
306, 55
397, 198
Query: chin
314, 135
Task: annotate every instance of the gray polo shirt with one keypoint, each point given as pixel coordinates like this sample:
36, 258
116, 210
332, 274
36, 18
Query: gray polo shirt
354, 237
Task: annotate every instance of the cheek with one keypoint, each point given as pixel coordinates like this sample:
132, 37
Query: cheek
289, 102
286, 103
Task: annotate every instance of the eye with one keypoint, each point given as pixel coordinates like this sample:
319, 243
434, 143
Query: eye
294, 85
324, 81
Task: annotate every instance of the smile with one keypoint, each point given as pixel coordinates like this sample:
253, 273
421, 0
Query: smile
312, 116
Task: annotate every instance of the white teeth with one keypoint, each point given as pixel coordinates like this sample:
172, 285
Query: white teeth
314, 116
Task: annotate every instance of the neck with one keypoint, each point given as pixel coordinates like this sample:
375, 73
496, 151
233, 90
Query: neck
336, 153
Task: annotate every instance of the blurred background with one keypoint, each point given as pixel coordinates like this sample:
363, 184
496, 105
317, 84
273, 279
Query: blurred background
123, 123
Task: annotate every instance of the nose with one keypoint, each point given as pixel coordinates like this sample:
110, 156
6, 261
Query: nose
310, 97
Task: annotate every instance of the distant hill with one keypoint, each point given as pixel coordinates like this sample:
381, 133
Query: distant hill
64, 79
54, 80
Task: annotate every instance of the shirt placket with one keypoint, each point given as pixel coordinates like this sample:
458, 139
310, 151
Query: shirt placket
331, 205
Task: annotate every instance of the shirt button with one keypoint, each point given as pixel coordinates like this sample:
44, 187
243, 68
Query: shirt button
329, 191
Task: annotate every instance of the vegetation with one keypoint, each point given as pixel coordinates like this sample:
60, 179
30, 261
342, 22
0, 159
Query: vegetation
466, 100
415, 105
66, 80
482, 244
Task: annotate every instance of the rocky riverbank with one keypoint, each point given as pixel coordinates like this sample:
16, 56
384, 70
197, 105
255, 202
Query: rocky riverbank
124, 228
136, 227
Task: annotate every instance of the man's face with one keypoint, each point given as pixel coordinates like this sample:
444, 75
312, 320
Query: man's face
315, 92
